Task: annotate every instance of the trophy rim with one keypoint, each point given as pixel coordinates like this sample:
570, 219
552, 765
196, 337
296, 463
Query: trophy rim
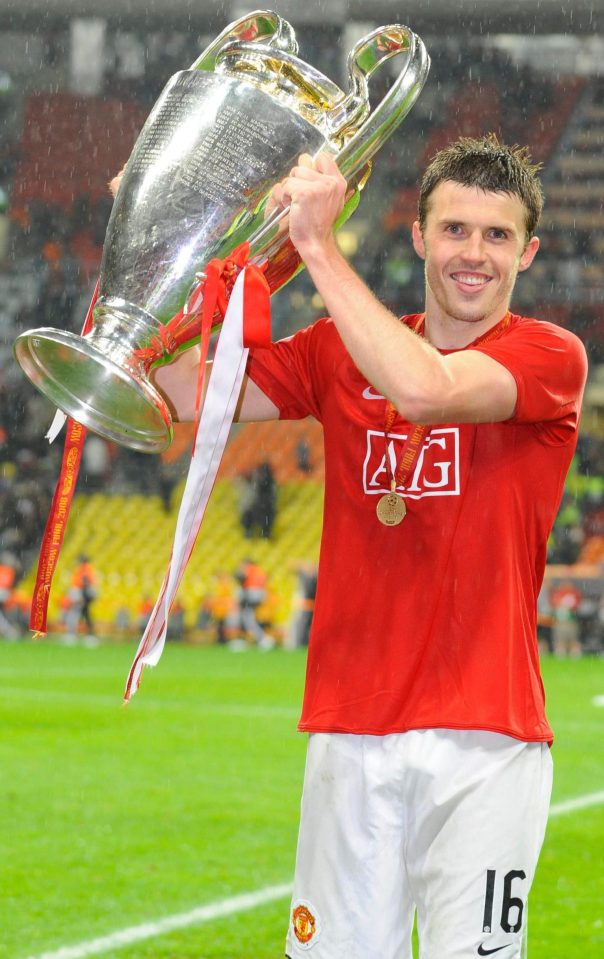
154, 439
330, 90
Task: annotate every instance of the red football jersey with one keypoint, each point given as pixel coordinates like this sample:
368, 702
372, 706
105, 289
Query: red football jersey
431, 623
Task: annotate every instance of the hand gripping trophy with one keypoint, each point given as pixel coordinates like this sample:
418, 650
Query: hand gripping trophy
195, 188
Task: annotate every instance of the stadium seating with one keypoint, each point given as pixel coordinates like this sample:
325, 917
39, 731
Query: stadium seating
58, 130
271, 442
128, 537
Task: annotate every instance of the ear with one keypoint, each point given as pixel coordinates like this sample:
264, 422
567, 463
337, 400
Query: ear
529, 253
418, 240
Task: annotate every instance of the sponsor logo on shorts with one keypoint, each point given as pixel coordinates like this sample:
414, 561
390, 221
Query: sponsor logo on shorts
489, 952
305, 924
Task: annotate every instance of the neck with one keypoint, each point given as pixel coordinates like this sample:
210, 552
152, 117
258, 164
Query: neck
448, 333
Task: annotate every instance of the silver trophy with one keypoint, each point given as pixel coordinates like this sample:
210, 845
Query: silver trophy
197, 185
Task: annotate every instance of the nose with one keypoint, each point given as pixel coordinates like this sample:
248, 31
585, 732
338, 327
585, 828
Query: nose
474, 246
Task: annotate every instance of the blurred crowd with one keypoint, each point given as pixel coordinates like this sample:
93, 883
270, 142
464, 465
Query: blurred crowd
570, 618
240, 610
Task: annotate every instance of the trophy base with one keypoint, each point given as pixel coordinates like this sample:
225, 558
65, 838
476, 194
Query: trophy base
74, 374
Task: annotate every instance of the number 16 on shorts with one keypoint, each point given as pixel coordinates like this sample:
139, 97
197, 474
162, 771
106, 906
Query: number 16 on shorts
512, 906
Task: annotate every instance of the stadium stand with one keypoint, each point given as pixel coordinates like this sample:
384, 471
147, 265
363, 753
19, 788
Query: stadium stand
130, 537
55, 166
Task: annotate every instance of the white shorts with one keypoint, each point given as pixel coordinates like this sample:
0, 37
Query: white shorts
447, 823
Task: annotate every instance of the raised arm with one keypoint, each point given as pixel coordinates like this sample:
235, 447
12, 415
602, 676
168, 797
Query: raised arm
425, 386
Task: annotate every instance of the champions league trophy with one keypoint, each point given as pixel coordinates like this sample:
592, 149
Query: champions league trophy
196, 187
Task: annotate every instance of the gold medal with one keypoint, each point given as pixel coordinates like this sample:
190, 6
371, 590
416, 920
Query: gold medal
391, 509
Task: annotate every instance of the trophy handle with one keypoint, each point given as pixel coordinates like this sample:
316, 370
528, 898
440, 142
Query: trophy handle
261, 26
378, 124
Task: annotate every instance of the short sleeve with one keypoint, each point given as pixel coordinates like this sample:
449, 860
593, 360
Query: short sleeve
294, 373
549, 365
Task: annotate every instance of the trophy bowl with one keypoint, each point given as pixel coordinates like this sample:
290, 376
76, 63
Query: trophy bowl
196, 186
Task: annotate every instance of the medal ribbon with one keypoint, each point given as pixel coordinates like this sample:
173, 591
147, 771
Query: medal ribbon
411, 450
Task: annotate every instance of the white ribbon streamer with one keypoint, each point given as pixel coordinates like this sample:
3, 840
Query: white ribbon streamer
60, 418
224, 387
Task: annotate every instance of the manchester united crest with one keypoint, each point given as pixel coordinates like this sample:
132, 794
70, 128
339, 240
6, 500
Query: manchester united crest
305, 923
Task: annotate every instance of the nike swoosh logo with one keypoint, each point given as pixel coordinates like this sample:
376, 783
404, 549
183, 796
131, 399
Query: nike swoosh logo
368, 394
489, 952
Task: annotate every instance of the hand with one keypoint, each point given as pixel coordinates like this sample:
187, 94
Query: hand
316, 192
114, 184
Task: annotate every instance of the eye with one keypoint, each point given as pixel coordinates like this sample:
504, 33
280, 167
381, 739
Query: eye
496, 234
454, 229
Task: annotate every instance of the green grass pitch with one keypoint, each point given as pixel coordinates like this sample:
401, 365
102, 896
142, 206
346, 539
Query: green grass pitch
115, 816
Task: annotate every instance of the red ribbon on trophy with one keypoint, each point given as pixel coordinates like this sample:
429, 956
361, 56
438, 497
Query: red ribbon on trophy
206, 308
56, 524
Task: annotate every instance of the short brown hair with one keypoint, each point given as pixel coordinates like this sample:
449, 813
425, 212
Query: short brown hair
491, 166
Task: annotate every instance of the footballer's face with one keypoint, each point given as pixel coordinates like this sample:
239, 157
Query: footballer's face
473, 244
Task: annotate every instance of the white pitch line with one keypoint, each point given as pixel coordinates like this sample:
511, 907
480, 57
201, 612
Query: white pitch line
149, 930
163, 705
227, 907
580, 802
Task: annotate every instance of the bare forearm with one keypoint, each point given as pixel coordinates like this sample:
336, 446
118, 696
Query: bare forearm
177, 382
397, 362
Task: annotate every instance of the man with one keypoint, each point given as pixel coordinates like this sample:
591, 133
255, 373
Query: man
81, 595
447, 439
565, 604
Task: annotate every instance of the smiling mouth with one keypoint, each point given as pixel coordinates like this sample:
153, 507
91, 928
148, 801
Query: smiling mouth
471, 279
